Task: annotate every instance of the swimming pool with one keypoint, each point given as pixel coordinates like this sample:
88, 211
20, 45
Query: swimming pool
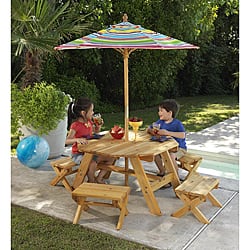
218, 168
218, 164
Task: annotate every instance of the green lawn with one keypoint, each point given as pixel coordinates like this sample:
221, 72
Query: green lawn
196, 113
33, 230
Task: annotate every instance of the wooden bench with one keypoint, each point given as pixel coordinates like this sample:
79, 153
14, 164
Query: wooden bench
63, 167
189, 162
193, 191
117, 194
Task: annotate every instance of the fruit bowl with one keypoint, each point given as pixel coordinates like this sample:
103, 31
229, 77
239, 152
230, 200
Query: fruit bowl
117, 132
116, 135
135, 124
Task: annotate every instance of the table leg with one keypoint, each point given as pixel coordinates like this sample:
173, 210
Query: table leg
145, 186
169, 166
126, 171
82, 170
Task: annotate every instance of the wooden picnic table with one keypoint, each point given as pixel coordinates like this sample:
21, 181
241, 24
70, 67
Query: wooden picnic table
143, 149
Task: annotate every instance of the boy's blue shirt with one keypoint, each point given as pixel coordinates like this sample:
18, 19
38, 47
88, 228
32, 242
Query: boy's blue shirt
174, 126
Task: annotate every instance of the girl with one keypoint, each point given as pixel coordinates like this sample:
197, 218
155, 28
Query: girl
80, 128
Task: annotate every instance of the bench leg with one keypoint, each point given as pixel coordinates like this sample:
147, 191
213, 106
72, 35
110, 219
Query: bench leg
180, 212
67, 185
119, 205
78, 214
213, 200
61, 177
190, 205
196, 211
186, 207
190, 169
123, 212
81, 206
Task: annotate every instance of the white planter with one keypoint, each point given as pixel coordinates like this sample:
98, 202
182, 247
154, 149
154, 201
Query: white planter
55, 138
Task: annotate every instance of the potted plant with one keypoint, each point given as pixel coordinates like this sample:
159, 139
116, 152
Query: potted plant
36, 27
42, 110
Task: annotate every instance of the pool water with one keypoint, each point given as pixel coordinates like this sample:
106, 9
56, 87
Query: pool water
218, 168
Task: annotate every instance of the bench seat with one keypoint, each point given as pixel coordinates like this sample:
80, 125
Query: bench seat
189, 162
117, 194
193, 191
63, 167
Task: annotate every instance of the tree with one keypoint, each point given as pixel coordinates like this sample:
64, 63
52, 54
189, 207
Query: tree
37, 26
214, 69
152, 74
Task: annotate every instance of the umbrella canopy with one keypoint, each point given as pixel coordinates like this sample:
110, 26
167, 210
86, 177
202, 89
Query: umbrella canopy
126, 37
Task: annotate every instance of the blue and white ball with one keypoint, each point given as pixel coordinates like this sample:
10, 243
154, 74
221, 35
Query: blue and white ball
32, 151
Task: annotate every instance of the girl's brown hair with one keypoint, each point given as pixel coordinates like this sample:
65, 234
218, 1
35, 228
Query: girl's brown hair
75, 108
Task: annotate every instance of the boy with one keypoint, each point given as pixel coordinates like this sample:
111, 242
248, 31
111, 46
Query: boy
169, 126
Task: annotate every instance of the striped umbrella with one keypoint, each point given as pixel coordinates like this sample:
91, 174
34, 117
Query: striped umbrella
126, 37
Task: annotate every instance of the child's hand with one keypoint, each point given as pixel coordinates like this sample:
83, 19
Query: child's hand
101, 122
162, 132
97, 127
82, 140
150, 131
98, 121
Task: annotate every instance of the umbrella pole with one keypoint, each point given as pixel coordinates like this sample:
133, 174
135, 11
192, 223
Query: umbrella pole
126, 113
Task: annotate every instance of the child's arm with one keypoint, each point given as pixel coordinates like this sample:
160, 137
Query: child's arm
71, 140
181, 135
97, 126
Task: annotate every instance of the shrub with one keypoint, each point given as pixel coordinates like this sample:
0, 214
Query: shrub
40, 107
78, 87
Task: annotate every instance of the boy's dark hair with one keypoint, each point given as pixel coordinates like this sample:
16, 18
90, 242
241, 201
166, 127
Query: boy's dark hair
170, 105
75, 108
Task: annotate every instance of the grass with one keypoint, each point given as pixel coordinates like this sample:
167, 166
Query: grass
33, 230
196, 113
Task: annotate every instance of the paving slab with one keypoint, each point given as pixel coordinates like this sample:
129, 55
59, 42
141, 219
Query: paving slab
221, 139
220, 230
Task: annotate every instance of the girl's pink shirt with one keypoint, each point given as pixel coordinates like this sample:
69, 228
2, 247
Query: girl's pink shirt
82, 130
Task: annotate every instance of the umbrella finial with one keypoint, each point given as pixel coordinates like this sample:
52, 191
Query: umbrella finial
125, 17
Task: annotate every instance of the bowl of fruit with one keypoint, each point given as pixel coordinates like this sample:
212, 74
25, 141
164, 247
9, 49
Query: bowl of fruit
135, 122
117, 132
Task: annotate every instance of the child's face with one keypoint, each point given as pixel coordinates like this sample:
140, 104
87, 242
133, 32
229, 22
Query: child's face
164, 114
90, 112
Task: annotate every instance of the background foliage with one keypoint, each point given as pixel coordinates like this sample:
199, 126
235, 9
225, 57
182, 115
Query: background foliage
153, 75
